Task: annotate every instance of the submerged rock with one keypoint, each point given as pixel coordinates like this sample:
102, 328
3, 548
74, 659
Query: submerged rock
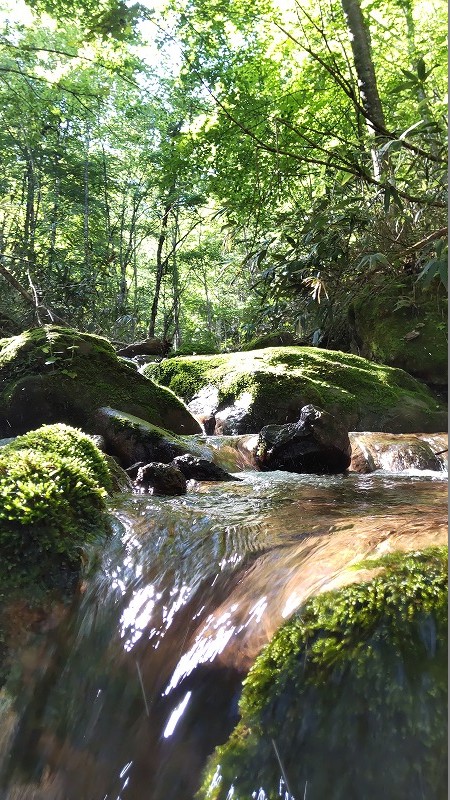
55, 374
317, 443
358, 677
271, 386
163, 479
199, 469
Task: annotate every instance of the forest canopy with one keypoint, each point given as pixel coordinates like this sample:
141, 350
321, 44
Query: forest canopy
208, 172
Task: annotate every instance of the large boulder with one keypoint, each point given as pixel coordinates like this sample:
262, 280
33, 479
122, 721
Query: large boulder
404, 328
274, 339
271, 386
55, 374
318, 443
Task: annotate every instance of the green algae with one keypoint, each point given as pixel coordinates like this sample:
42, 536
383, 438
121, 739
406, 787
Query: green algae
349, 698
280, 380
54, 374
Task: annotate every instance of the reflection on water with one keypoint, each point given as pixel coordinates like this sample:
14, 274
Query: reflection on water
126, 697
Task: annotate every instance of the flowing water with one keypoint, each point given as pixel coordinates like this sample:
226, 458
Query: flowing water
124, 695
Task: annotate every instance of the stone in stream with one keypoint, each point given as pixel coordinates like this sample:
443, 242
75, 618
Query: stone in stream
147, 347
199, 469
132, 439
163, 479
246, 391
54, 374
318, 443
398, 452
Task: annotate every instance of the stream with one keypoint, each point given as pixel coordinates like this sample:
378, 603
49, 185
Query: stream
124, 694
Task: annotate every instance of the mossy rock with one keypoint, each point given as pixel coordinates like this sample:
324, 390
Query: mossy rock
54, 374
410, 333
349, 699
275, 383
53, 487
274, 339
131, 439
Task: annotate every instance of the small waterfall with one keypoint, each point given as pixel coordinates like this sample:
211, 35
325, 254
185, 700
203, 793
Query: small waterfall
370, 451
126, 693
399, 452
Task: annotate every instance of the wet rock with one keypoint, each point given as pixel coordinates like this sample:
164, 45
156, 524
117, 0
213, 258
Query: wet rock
164, 479
206, 401
134, 440
199, 469
398, 452
318, 443
231, 421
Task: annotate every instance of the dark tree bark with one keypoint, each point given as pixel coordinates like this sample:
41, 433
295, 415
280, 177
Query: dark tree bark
362, 56
160, 266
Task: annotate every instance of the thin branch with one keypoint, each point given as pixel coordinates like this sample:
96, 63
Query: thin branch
439, 234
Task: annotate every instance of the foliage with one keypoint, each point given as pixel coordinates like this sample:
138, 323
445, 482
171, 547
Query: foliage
359, 674
229, 185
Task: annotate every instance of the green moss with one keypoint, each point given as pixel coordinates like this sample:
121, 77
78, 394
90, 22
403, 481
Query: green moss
385, 317
53, 374
281, 380
53, 485
352, 692
185, 375
274, 339
69, 442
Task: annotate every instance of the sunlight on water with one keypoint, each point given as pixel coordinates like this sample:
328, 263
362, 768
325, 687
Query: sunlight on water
137, 615
176, 715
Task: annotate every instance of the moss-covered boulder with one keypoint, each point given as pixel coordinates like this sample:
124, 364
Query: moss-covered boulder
349, 700
54, 374
408, 332
53, 485
274, 339
271, 386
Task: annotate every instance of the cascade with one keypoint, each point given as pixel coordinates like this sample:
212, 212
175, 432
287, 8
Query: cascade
124, 694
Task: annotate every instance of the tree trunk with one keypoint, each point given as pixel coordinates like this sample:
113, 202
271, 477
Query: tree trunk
362, 56
365, 71
176, 288
160, 266
86, 223
30, 211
